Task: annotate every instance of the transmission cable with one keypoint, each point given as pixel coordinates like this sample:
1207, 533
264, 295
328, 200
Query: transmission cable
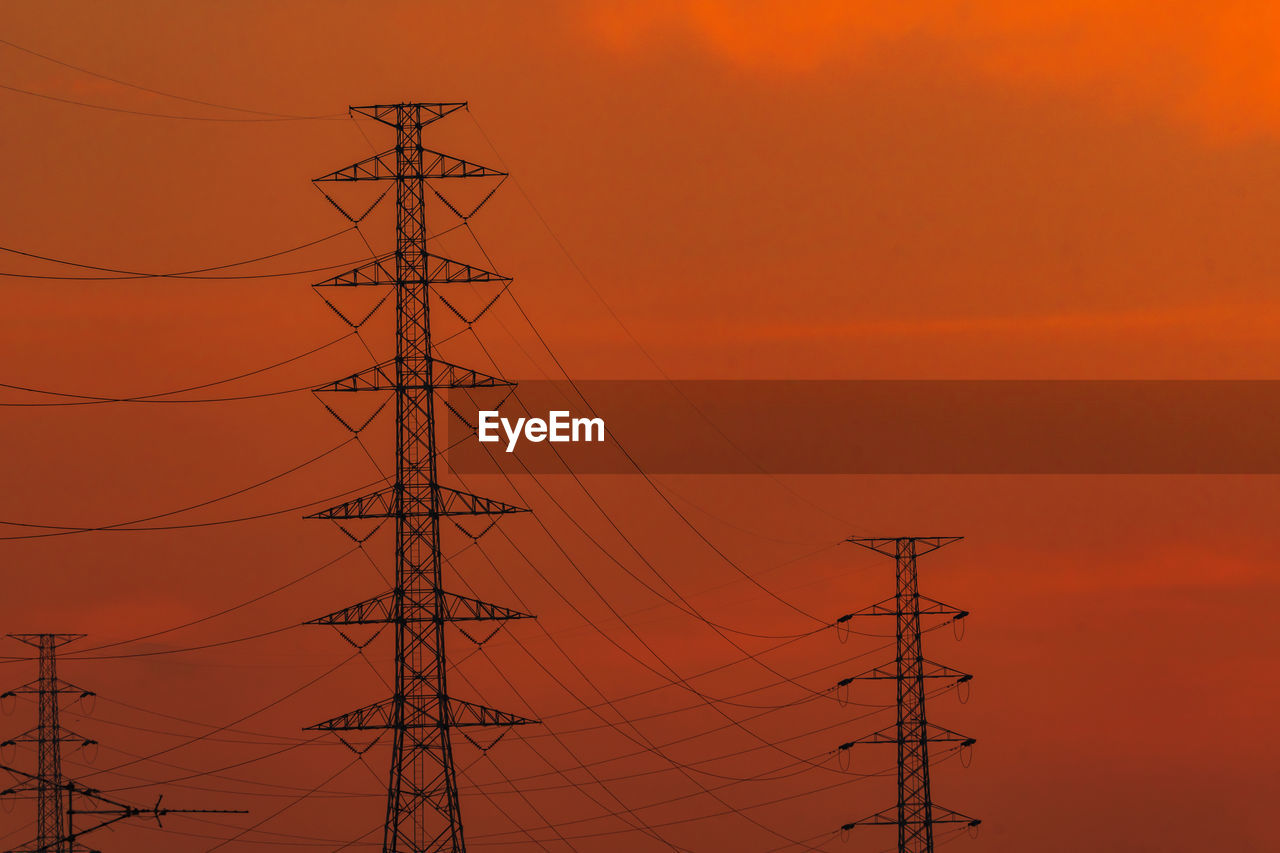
179, 274
131, 526
157, 397
48, 97
141, 88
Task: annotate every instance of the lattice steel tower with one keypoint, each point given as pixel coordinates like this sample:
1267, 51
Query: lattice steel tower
422, 791
915, 814
51, 791
55, 794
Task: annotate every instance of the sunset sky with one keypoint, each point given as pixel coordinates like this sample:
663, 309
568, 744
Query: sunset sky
700, 190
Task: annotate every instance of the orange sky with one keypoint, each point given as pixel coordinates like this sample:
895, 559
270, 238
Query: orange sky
757, 190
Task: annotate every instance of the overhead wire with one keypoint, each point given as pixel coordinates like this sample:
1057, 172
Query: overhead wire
125, 274
626, 329
648, 479
250, 715
152, 114
639, 825
622, 620
709, 704
768, 829
93, 399
101, 76
639, 738
133, 525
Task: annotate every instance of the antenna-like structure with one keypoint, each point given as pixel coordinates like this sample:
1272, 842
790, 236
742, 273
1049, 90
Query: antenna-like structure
422, 791
54, 793
915, 814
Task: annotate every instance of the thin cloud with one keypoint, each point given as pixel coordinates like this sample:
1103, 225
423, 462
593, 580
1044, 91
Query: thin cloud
1210, 65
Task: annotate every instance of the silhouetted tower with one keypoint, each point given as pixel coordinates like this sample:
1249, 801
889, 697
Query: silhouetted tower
915, 814
54, 793
422, 792
52, 803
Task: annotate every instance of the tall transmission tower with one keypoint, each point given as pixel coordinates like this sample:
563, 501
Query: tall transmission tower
54, 793
915, 814
422, 791
48, 736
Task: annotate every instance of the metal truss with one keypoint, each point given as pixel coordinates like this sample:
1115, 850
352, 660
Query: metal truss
422, 812
915, 814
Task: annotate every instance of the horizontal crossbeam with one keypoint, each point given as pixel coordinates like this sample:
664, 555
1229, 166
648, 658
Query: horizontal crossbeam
426, 113
60, 686
380, 504
889, 817
382, 377
382, 167
889, 607
889, 734
381, 715
454, 502
38, 639
438, 270
456, 608
889, 672
38, 735
385, 503
889, 544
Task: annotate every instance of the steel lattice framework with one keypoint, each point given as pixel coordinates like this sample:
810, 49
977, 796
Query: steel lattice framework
422, 791
55, 794
52, 831
915, 814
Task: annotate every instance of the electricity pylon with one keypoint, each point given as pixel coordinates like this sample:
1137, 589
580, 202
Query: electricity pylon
48, 736
54, 793
915, 814
422, 791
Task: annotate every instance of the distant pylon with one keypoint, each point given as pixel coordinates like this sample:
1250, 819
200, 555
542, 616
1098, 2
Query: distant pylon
51, 810
54, 793
915, 814
423, 813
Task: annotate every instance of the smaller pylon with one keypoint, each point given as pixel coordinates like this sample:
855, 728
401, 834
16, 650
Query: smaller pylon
48, 736
915, 814
105, 810
54, 793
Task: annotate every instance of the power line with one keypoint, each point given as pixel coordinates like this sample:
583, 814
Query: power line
626, 329
182, 276
133, 525
141, 88
639, 470
151, 114
159, 396
129, 274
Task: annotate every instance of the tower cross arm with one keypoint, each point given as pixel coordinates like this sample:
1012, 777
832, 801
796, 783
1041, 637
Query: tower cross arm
381, 609
426, 112
464, 713
383, 503
890, 734
888, 545
889, 817
889, 607
382, 377
382, 715
889, 672
437, 269
454, 502
60, 685
384, 167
